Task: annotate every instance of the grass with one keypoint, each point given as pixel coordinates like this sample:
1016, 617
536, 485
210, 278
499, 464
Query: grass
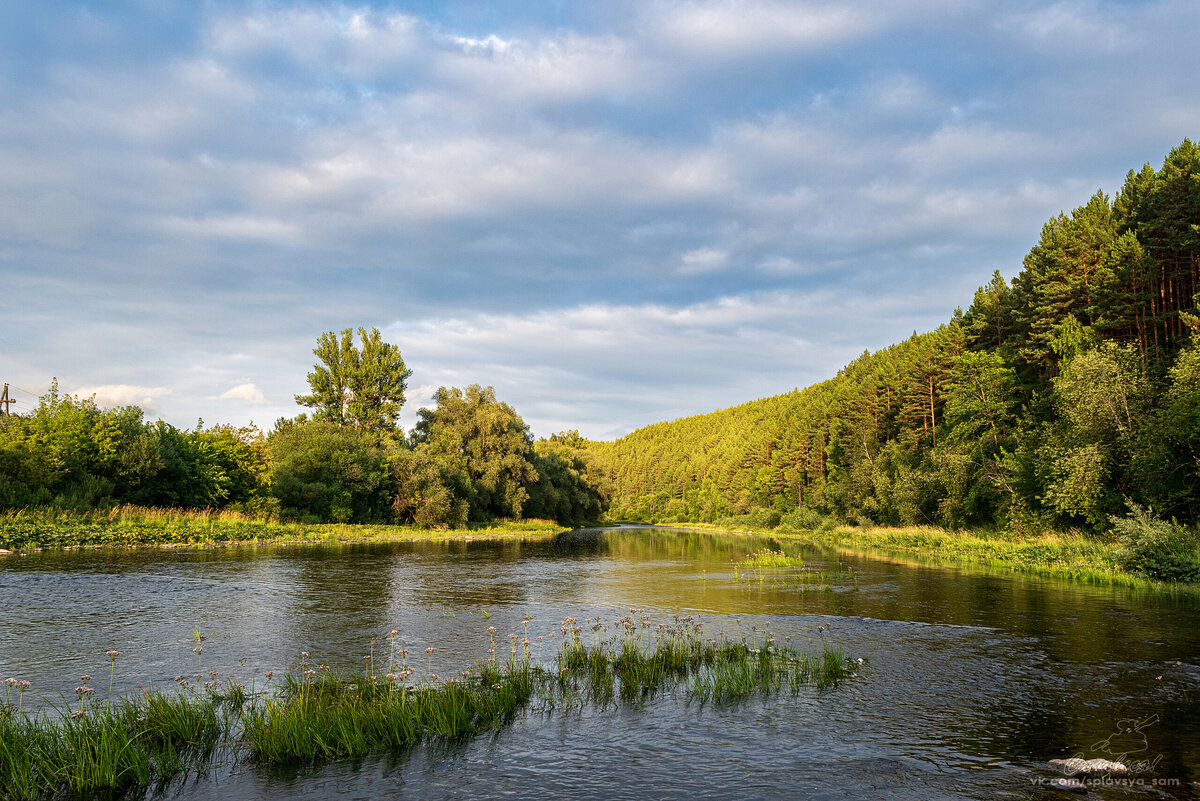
312, 714
106, 747
776, 567
769, 558
125, 526
1067, 555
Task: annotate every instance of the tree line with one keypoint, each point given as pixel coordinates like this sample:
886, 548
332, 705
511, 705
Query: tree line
1056, 400
470, 458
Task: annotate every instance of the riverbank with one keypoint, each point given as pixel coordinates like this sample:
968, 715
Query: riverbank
1066, 555
132, 526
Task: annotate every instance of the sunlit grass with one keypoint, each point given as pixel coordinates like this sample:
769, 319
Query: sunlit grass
123, 526
1068, 555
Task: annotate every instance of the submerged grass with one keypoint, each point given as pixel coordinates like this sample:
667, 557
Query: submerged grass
314, 714
125, 526
776, 567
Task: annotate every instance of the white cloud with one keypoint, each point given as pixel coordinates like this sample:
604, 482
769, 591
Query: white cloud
245, 392
1074, 25
606, 368
109, 395
724, 27
703, 260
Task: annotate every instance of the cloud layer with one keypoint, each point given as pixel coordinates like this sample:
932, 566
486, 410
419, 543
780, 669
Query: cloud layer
614, 213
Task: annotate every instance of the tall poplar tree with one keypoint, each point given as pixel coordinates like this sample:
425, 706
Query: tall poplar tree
363, 388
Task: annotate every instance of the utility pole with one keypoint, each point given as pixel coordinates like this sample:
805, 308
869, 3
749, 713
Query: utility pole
6, 401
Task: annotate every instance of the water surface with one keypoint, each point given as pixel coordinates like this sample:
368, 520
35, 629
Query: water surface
973, 679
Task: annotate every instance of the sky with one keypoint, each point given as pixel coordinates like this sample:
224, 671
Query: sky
614, 213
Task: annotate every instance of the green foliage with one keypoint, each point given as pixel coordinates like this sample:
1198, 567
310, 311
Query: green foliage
570, 484
71, 454
483, 444
325, 472
363, 388
1157, 549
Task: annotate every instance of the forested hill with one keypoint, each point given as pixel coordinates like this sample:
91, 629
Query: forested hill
1055, 400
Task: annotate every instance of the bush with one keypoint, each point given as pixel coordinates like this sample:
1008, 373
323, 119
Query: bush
758, 518
1157, 549
804, 519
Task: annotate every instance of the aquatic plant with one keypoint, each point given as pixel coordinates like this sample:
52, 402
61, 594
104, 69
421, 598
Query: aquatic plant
779, 568
315, 713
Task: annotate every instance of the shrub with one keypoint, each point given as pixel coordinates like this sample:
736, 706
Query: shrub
804, 519
1157, 549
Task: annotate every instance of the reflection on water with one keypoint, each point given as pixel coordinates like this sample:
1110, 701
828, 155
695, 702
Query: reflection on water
974, 680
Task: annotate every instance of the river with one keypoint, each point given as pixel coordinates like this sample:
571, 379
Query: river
973, 679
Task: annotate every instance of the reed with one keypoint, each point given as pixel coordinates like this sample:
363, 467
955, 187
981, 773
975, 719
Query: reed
778, 568
106, 746
312, 714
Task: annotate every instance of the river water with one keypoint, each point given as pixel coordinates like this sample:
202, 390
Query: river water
973, 679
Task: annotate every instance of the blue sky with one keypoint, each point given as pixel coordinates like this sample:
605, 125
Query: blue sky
615, 213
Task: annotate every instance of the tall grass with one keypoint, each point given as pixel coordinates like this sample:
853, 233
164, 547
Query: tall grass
314, 714
123, 526
103, 747
1068, 555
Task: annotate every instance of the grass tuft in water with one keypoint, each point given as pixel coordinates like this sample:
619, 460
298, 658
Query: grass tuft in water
311, 715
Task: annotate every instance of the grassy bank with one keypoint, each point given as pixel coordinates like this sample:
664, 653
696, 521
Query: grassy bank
311, 714
126, 526
1068, 555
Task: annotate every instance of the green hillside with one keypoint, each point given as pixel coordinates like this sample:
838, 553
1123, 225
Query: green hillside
1056, 399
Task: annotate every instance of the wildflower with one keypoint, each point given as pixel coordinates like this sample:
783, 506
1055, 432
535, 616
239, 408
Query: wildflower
112, 654
85, 678
269, 674
77, 714
304, 654
84, 690
429, 650
394, 632
199, 649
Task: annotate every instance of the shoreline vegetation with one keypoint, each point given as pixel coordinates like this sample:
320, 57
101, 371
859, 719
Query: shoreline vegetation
1072, 556
134, 526
311, 714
